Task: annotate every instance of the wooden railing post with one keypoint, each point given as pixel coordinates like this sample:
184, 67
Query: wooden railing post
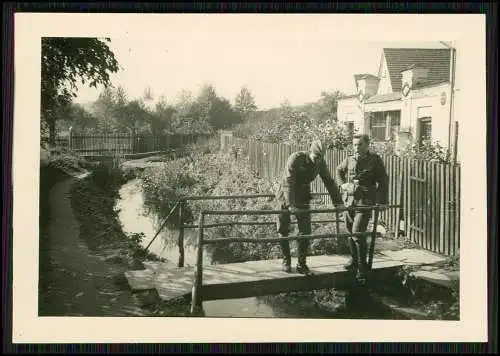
374, 236
180, 239
196, 296
337, 222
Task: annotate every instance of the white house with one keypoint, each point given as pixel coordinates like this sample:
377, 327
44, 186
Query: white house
408, 99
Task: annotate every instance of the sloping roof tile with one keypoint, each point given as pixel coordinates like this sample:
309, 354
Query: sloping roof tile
350, 96
364, 76
400, 59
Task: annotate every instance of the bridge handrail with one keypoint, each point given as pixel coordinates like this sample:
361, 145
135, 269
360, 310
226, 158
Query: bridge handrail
229, 197
245, 223
278, 239
276, 212
197, 298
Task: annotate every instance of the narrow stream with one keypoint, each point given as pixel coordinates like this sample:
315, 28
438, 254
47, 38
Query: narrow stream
135, 220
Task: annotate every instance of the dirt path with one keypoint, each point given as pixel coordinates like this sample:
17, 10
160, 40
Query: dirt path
78, 282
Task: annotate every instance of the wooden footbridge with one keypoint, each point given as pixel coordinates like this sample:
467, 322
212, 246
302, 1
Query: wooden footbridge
252, 278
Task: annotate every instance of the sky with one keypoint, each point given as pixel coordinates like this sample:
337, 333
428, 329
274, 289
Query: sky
273, 68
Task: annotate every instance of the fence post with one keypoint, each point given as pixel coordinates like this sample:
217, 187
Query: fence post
134, 141
196, 296
455, 143
374, 236
70, 139
180, 239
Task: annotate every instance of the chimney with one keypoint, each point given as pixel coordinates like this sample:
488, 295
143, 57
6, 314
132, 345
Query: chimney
367, 84
414, 75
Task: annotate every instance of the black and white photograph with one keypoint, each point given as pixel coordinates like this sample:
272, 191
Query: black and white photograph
284, 171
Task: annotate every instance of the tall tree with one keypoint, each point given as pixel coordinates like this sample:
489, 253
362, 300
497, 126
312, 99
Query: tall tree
106, 109
121, 96
244, 103
79, 119
327, 105
65, 62
162, 119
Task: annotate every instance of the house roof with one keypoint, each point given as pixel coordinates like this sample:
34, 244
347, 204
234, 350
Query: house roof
348, 96
400, 59
364, 76
381, 98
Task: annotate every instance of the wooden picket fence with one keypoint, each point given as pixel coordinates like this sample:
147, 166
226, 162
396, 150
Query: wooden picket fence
123, 143
428, 192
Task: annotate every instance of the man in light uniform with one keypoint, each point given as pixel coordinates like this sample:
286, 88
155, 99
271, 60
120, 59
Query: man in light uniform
294, 193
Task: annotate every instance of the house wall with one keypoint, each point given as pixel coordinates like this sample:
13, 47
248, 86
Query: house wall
459, 100
385, 106
426, 102
419, 103
348, 109
368, 86
384, 86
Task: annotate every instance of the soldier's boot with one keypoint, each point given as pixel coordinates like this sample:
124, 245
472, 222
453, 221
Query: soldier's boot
287, 259
302, 267
353, 263
362, 262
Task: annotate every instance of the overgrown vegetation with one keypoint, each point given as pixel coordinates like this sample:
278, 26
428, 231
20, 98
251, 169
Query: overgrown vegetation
437, 302
220, 175
428, 150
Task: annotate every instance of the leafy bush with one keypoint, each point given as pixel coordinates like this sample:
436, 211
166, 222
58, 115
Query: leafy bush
428, 150
240, 180
208, 144
163, 186
438, 302
67, 162
335, 135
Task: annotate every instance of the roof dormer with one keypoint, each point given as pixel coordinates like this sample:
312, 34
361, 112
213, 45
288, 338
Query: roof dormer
412, 77
366, 85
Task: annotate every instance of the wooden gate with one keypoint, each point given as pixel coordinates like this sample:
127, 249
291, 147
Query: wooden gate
432, 205
419, 209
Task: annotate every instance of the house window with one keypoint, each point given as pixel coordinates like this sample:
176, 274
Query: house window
395, 123
425, 129
378, 126
385, 125
350, 127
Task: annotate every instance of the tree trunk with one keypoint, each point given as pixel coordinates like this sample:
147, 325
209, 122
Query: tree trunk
51, 124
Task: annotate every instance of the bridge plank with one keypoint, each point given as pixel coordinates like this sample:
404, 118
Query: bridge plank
252, 278
140, 280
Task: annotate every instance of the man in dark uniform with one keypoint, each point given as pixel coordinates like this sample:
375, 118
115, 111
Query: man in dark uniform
363, 181
294, 193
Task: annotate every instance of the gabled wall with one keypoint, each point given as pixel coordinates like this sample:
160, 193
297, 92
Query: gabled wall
348, 109
384, 86
427, 102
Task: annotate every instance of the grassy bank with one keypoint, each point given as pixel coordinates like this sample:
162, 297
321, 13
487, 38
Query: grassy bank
49, 176
93, 200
